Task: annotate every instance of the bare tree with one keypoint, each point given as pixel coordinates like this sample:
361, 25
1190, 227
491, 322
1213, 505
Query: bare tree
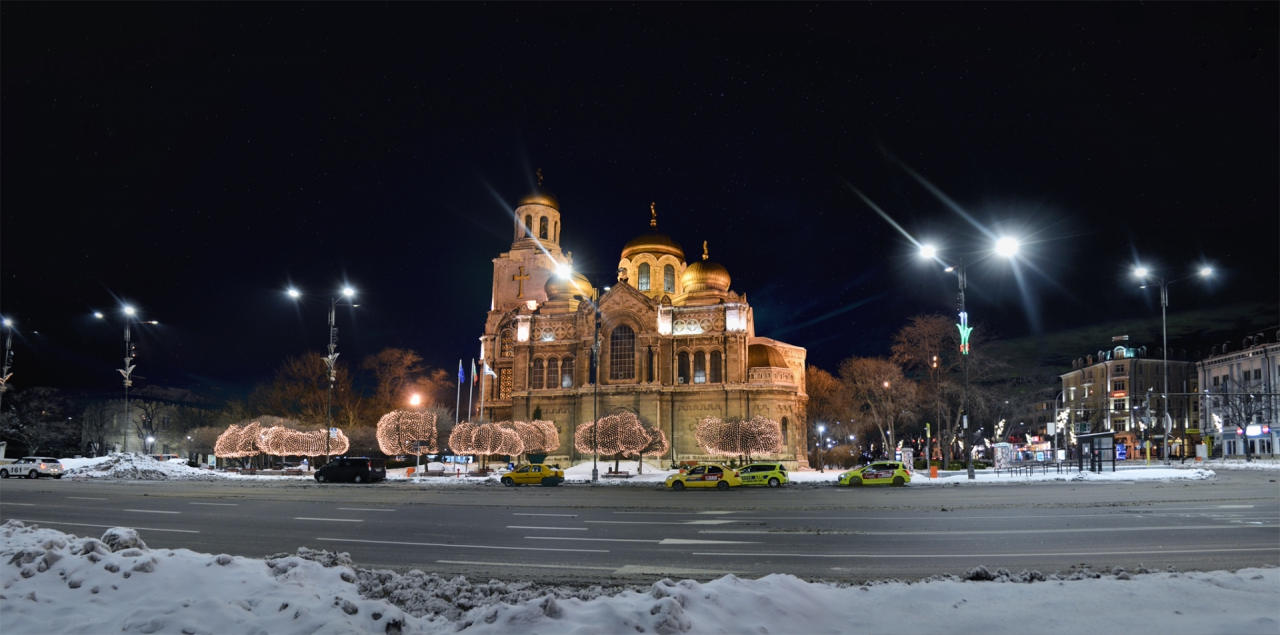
38, 418
1239, 402
95, 421
395, 371
150, 416
884, 398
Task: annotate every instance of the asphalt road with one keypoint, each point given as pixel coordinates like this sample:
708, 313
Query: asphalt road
588, 534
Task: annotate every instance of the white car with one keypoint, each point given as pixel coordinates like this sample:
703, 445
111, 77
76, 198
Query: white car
33, 467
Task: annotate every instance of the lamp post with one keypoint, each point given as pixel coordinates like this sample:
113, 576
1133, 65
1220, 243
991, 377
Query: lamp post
127, 372
330, 361
8, 361
821, 439
1142, 273
1006, 247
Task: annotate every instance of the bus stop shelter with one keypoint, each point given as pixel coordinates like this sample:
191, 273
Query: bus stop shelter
1097, 448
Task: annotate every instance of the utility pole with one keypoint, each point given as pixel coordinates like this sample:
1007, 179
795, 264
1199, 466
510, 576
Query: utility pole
8, 362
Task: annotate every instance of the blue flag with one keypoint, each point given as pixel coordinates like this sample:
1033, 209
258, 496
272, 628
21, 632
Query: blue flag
462, 374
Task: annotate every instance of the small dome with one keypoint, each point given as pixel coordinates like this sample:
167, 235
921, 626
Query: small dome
705, 275
764, 356
559, 288
542, 197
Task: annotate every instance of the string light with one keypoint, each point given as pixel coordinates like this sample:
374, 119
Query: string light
757, 435
398, 430
535, 436
616, 434
252, 439
485, 439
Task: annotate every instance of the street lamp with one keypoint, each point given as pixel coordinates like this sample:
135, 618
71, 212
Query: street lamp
823, 439
1142, 273
127, 372
151, 441
1006, 247
346, 294
8, 360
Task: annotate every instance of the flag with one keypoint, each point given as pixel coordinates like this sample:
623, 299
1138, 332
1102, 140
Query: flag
473, 371
462, 374
489, 371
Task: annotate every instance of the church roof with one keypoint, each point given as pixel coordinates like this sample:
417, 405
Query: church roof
653, 242
764, 356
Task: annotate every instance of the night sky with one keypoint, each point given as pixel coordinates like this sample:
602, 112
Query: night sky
197, 159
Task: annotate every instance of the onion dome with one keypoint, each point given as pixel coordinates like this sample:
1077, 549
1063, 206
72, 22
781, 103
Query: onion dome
764, 356
561, 288
705, 275
653, 242
540, 196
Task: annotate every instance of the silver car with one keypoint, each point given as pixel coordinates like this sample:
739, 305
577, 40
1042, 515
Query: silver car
33, 467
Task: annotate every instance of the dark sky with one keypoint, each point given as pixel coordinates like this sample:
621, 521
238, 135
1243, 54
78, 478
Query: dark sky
194, 159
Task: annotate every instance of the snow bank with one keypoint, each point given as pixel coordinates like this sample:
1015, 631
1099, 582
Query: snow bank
58, 583
139, 467
581, 473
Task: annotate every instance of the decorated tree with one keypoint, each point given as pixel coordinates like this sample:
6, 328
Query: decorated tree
536, 437
737, 437
657, 446
399, 430
618, 435
242, 442
485, 439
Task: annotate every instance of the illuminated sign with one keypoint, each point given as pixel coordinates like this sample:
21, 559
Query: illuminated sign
1119, 394
1257, 430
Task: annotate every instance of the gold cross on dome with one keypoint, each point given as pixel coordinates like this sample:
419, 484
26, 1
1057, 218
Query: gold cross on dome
520, 278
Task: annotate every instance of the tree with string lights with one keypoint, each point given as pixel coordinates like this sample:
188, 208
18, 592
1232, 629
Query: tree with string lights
619, 435
738, 437
657, 446
485, 439
399, 432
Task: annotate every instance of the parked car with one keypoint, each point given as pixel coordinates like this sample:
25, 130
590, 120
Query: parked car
878, 473
33, 467
544, 475
771, 474
705, 475
357, 469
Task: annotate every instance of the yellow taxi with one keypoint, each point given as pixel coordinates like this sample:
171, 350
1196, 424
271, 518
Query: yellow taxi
705, 475
544, 475
878, 473
768, 474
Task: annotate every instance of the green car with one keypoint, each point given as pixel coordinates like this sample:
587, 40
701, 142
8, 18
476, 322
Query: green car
770, 474
879, 473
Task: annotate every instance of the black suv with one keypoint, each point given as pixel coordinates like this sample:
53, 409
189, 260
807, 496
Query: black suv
357, 469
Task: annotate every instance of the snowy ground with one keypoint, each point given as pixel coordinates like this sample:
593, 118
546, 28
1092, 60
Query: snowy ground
59, 583
141, 467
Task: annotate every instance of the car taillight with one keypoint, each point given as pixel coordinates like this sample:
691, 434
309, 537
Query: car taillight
42, 466
370, 465
735, 472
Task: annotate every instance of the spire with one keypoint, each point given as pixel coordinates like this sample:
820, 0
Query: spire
539, 177
704, 250
653, 216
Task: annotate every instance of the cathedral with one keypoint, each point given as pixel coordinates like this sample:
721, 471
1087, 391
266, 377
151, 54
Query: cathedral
676, 344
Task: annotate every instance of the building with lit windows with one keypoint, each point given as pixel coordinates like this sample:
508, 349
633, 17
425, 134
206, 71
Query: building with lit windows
1120, 389
1238, 394
676, 343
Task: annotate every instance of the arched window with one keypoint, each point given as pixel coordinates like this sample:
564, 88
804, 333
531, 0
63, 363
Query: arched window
648, 375
669, 279
643, 282
553, 373
717, 370
566, 373
542, 228
682, 368
622, 353
784, 431
528, 225
555, 232
699, 367
537, 374
506, 348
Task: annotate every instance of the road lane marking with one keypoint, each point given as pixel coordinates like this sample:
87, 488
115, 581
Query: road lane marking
659, 522
149, 511
650, 570
441, 544
23, 504
691, 541
216, 504
557, 528
332, 520
1072, 554
1235, 506
590, 539
54, 522
364, 509
85, 498
717, 512
536, 566
552, 515
945, 533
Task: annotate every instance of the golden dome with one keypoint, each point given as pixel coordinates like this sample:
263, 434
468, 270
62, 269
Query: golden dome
542, 197
559, 288
653, 242
705, 275
764, 356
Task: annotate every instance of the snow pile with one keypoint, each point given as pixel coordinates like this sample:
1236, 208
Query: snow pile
581, 473
140, 467
1241, 464
58, 583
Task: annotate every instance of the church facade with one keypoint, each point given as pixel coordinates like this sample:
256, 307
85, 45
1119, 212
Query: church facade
676, 344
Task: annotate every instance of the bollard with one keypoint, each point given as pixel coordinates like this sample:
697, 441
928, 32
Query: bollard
933, 471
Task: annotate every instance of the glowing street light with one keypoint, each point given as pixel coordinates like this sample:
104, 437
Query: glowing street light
348, 291
98, 314
415, 400
1142, 273
346, 294
928, 251
1007, 247
293, 293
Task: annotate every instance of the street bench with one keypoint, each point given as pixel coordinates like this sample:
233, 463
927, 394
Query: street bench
613, 474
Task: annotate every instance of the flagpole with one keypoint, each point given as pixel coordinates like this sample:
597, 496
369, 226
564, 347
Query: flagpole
457, 405
471, 388
484, 373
